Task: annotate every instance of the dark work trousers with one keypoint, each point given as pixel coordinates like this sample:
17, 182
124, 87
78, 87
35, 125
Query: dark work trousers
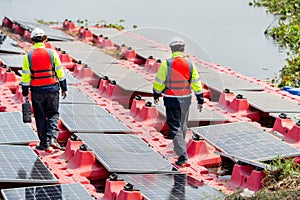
177, 118
45, 106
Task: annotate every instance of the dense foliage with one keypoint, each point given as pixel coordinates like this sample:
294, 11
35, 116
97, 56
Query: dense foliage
287, 34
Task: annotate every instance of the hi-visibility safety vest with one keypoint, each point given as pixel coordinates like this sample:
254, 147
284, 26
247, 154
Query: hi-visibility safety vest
41, 67
179, 76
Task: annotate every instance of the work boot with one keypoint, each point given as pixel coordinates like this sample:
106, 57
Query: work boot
181, 162
55, 144
43, 147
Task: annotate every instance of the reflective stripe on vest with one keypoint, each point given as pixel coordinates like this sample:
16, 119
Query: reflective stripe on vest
178, 77
41, 66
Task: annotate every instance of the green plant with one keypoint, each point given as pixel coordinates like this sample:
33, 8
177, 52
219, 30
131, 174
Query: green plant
287, 35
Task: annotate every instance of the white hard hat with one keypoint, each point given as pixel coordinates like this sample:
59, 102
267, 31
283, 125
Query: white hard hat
176, 41
37, 32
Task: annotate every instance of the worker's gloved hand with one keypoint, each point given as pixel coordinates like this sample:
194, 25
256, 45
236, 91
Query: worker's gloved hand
156, 101
64, 94
25, 98
200, 107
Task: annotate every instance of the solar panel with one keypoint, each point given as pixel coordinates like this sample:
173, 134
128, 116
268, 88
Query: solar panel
20, 164
171, 186
122, 37
245, 140
52, 34
89, 118
58, 192
75, 96
126, 153
105, 65
194, 115
106, 32
157, 53
220, 81
70, 79
88, 54
268, 102
14, 131
12, 60
9, 45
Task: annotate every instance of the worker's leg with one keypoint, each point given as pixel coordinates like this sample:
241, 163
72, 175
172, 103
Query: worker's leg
184, 118
38, 102
52, 114
174, 124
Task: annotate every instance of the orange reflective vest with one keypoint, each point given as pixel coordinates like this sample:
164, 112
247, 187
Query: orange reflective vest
41, 67
178, 77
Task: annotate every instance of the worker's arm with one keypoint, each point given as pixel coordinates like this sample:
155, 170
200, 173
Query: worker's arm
160, 78
26, 78
197, 85
60, 74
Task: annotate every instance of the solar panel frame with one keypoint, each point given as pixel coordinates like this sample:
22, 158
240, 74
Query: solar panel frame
14, 131
70, 191
126, 153
245, 140
90, 118
171, 186
20, 164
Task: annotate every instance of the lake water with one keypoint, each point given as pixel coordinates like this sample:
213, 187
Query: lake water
227, 32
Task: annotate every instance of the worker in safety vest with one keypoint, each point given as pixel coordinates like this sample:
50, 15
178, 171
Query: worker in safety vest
43, 73
175, 80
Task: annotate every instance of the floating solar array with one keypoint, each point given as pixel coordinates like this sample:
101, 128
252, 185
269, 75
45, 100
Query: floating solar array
75, 96
50, 192
220, 81
268, 102
89, 118
9, 45
171, 186
126, 153
194, 114
51, 33
105, 65
12, 60
245, 140
20, 164
14, 131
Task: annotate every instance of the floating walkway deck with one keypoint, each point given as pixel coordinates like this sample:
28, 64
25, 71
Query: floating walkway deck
116, 141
